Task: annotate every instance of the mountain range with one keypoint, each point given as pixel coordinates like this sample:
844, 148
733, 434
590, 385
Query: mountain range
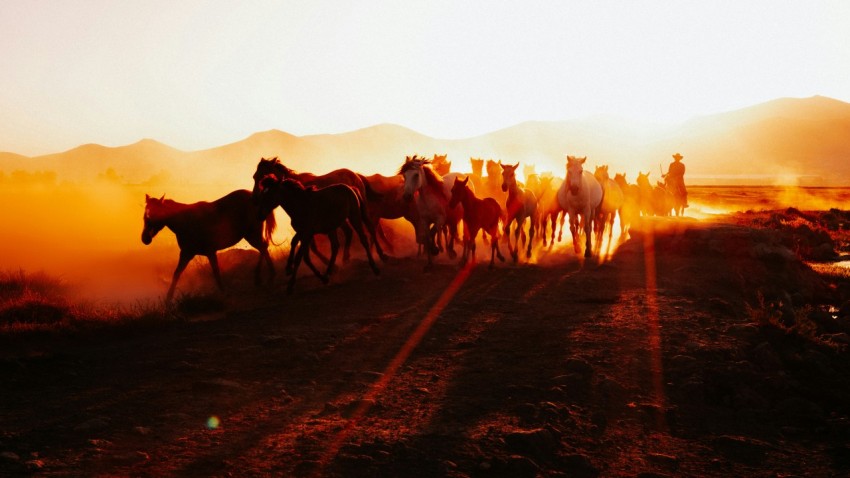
789, 141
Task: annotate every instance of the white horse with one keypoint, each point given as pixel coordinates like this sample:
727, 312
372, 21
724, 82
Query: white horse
580, 194
612, 204
521, 204
431, 201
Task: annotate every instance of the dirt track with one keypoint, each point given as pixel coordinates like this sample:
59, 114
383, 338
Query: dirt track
554, 369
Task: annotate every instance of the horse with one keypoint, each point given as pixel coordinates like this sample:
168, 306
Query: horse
477, 175
477, 214
611, 206
631, 201
273, 167
646, 194
440, 165
580, 195
662, 199
550, 211
314, 211
203, 228
493, 182
520, 204
678, 198
425, 187
532, 180
388, 202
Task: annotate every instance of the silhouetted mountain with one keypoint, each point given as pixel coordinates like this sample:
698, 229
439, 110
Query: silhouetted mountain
783, 138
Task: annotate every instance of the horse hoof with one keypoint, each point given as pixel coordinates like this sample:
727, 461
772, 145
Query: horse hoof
587, 254
325, 279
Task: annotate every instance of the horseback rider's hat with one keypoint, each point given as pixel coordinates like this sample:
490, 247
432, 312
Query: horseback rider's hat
678, 157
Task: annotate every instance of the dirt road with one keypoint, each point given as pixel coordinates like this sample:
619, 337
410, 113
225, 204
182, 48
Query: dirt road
649, 364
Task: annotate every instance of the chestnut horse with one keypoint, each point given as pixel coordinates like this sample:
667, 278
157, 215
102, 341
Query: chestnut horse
316, 211
202, 228
521, 204
611, 206
477, 214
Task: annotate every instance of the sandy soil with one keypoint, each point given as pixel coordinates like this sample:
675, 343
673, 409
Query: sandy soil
676, 357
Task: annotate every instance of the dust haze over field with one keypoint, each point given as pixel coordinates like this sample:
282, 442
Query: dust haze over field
78, 213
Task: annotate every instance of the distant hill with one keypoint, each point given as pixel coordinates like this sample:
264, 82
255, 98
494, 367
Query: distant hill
784, 139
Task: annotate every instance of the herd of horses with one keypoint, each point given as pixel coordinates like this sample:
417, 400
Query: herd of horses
425, 192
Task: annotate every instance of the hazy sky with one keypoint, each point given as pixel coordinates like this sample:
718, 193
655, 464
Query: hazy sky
198, 74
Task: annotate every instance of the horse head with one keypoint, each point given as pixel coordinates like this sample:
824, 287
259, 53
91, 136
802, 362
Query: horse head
575, 172
493, 169
601, 173
152, 218
459, 191
265, 168
528, 170
643, 180
414, 177
477, 166
620, 179
508, 175
440, 165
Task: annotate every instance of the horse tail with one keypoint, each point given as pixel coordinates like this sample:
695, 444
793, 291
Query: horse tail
364, 210
371, 194
269, 226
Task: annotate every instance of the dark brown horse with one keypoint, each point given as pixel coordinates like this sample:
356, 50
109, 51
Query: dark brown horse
477, 214
316, 211
273, 167
202, 228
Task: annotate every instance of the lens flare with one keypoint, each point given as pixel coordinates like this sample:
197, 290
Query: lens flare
213, 422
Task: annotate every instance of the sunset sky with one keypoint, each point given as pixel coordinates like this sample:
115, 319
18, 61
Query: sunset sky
198, 74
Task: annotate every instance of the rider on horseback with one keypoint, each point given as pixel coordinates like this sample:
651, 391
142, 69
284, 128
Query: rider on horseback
675, 178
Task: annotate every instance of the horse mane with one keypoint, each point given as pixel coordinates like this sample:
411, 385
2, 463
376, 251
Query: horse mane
413, 162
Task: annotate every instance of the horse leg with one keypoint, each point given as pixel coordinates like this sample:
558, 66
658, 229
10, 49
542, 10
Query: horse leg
215, 270
346, 230
261, 245
379, 232
306, 257
181, 265
293, 247
264, 256
304, 247
563, 220
532, 225
494, 242
574, 232
453, 234
357, 224
334, 250
588, 226
431, 240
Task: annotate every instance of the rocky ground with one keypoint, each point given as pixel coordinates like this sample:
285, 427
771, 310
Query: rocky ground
701, 348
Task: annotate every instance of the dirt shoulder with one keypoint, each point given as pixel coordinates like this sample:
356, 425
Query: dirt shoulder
674, 358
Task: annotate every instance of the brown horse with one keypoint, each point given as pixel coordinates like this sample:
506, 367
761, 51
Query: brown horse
202, 228
550, 212
387, 202
631, 205
273, 167
441, 165
316, 211
520, 204
477, 214
477, 175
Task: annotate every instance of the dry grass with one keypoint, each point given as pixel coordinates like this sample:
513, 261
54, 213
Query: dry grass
31, 302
